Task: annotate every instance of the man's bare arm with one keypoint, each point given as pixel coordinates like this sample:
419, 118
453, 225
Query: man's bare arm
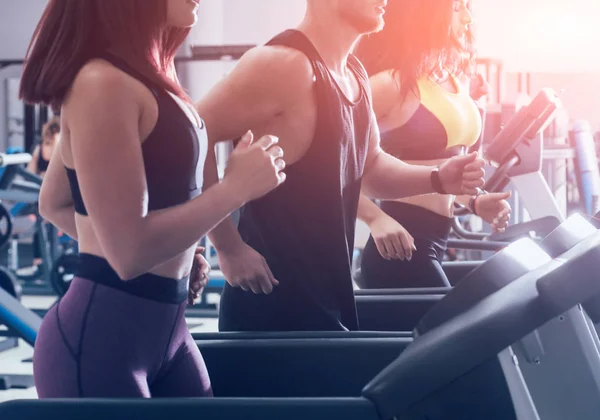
263, 83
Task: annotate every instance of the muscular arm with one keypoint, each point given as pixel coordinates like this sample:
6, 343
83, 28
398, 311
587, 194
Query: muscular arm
262, 85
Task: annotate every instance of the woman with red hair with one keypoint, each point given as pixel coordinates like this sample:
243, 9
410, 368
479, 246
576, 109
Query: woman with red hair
126, 181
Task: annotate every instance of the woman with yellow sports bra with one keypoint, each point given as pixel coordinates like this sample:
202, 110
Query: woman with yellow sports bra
419, 68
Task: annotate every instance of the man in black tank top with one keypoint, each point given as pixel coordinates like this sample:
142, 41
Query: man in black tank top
288, 263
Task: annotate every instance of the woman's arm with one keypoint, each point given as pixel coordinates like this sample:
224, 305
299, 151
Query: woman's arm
368, 211
491, 207
390, 237
55, 201
103, 114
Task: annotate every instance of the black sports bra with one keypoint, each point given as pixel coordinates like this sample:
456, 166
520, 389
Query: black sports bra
174, 152
444, 125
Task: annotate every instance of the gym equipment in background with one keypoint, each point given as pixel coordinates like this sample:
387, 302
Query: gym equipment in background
586, 164
223, 355
20, 322
20, 188
29, 121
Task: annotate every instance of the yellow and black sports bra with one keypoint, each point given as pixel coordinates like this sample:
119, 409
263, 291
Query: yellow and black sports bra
444, 125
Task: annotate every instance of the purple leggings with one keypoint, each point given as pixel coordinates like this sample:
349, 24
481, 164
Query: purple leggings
102, 342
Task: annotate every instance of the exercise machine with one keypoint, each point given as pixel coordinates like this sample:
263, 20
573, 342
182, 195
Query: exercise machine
22, 324
19, 195
19, 322
421, 383
567, 346
586, 164
579, 360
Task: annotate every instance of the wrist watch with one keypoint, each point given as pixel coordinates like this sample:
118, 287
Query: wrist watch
471, 205
436, 182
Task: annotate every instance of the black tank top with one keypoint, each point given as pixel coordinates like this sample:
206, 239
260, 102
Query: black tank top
173, 153
305, 228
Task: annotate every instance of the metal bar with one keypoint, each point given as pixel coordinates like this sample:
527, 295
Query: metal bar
19, 196
471, 244
14, 159
28, 176
465, 234
216, 52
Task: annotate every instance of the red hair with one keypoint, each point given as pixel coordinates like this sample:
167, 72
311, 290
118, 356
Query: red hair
71, 32
416, 42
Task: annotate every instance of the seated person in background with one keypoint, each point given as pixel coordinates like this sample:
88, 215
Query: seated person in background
39, 164
43, 152
419, 69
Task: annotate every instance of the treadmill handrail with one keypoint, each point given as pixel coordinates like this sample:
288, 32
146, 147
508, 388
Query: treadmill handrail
477, 245
348, 408
542, 227
463, 233
297, 335
501, 173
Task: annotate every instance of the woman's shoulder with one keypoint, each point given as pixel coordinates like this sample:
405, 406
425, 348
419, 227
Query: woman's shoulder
385, 88
100, 84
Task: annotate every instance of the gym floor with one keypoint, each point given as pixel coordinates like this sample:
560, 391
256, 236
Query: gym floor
12, 361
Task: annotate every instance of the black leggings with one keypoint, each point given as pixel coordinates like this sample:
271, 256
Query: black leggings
108, 338
430, 231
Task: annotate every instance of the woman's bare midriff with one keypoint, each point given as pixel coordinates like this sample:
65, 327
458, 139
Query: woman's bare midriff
437, 203
175, 268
